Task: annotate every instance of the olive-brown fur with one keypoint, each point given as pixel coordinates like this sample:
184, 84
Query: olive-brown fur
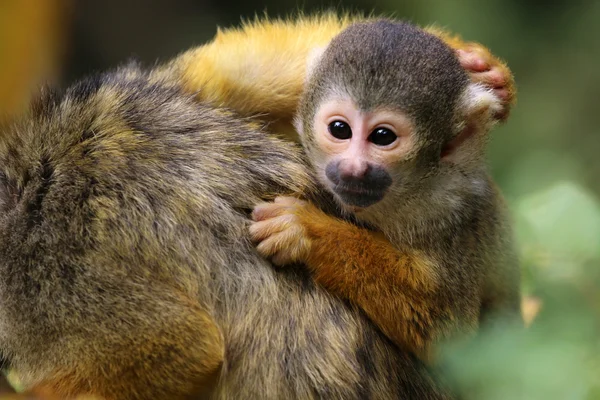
127, 271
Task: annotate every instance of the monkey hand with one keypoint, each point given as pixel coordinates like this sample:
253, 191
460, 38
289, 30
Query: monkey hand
489, 71
279, 230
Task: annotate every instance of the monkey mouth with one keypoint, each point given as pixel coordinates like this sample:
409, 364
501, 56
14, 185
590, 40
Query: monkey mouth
355, 197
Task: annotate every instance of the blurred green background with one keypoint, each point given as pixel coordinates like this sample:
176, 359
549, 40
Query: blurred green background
546, 158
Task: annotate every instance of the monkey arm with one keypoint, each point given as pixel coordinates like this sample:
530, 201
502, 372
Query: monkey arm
260, 68
396, 290
401, 292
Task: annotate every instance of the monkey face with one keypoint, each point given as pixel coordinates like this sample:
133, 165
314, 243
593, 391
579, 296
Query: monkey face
388, 116
357, 152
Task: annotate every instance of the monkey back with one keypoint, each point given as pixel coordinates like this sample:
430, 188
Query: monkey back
124, 191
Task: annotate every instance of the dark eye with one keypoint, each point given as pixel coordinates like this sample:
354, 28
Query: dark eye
382, 137
340, 130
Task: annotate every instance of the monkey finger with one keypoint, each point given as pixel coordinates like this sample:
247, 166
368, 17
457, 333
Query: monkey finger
264, 211
492, 78
288, 247
274, 244
501, 93
261, 230
293, 204
471, 61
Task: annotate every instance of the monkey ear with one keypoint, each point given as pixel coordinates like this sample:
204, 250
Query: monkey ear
475, 117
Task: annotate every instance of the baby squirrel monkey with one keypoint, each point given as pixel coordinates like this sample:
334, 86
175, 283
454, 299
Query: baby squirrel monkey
396, 132
455, 194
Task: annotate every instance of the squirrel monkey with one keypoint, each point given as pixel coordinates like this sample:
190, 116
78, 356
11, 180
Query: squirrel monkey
396, 132
403, 291
127, 270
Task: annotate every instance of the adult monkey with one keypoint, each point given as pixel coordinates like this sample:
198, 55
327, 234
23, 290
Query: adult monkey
92, 306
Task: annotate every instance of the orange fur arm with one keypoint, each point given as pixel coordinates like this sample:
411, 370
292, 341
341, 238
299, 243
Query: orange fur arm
396, 290
261, 67
401, 292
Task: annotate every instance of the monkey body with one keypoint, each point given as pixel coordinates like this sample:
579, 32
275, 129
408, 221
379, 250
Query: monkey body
442, 259
127, 269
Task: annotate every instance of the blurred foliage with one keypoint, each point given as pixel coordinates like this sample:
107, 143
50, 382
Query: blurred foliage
545, 158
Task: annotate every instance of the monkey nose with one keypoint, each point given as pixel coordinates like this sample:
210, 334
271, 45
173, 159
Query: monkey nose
351, 170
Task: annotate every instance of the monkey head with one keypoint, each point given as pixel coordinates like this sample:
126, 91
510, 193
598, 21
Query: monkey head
387, 108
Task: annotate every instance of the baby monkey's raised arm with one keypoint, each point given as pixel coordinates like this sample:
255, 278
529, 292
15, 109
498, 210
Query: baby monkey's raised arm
261, 68
396, 133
